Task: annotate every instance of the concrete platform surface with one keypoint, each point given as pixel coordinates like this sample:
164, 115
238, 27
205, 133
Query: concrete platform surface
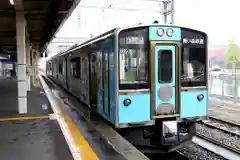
225, 99
37, 102
35, 139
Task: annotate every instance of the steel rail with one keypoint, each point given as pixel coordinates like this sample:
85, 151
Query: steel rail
217, 147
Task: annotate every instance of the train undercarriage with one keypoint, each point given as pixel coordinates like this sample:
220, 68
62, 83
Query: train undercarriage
164, 136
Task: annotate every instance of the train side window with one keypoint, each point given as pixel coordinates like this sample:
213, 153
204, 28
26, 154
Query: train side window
75, 67
164, 66
60, 69
93, 63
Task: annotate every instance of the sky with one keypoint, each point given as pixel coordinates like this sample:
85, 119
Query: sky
218, 18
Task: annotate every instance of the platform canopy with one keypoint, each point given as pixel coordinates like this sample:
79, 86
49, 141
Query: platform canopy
43, 17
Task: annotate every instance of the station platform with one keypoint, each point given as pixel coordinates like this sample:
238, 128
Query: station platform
33, 139
224, 107
29, 136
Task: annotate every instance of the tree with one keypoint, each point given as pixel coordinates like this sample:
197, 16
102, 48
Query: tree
232, 57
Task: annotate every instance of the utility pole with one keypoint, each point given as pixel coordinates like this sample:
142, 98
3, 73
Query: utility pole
172, 11
167, 8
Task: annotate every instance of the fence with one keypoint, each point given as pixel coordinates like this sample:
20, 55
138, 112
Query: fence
225, 85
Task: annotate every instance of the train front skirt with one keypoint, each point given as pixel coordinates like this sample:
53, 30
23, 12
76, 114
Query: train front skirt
164, 136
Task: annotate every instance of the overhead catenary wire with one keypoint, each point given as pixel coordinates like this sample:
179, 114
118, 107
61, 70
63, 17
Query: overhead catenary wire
111, 6
165, 11
122, 9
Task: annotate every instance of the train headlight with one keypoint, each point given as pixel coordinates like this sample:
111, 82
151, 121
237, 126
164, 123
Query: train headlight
127, 102
160, 32
170, 32
200, 97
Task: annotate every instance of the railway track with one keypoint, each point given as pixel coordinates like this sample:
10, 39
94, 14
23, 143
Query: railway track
226, 126
173, 155
219, 148
197, 151
220, 136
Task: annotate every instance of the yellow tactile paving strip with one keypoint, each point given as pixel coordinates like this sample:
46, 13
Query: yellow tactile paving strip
23, 118
81, 144
79, 147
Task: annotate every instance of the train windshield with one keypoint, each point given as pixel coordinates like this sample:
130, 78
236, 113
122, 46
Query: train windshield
193, 67
133, 59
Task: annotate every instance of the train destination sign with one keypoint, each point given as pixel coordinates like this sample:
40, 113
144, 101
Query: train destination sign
193, 38
132, 40
193, 41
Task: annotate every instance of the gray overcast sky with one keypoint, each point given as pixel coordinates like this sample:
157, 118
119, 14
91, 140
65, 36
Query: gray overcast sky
219, 18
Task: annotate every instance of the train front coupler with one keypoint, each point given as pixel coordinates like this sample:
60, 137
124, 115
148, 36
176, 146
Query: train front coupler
171, 135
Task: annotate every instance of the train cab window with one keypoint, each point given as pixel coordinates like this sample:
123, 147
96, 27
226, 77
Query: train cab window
193, 72
164, 66
133, 59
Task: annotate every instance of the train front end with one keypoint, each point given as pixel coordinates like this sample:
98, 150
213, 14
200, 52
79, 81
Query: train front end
178, 83
162, 83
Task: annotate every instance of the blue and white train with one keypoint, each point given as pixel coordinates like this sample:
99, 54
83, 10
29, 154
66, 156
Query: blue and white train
148, 81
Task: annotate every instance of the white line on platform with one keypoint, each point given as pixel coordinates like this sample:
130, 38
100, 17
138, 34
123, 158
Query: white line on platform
74, 150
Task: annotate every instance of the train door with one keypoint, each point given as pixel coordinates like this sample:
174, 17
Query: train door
93, 79
103, 96
54, 68
164, 81
67, 72
57, 68
100, 75
105, 83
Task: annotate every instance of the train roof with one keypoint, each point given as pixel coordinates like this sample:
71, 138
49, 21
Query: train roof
94, 39
115, 31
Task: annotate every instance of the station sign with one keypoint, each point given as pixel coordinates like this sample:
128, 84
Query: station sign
69, 40
4, 59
